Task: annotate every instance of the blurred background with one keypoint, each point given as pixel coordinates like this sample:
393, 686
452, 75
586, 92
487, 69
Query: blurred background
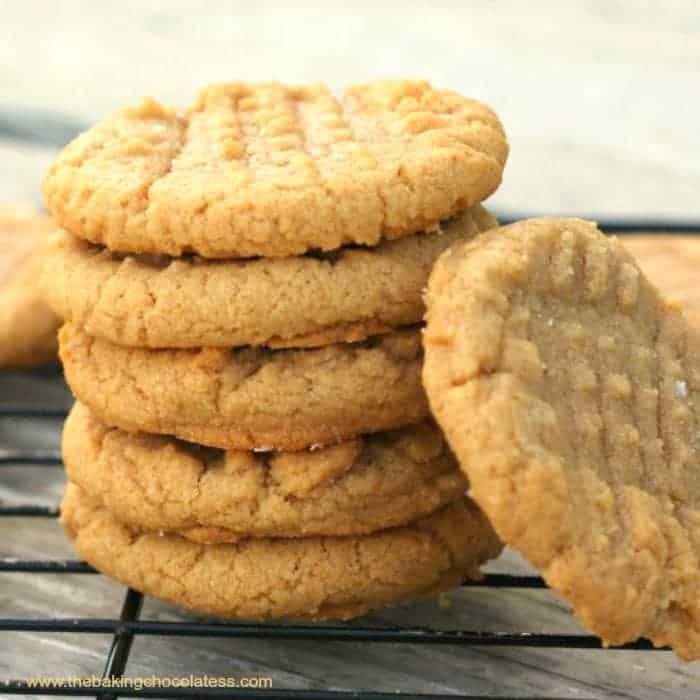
600, 99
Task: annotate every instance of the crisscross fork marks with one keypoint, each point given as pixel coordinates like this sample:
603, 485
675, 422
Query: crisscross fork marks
275, 171
677, 419
646, 405
276, 133
620, 426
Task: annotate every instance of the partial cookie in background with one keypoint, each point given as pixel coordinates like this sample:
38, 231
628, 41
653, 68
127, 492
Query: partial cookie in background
672, 263
570, 393
155, 483
251, 397
304, 301
27, 324
271, 170
315, 577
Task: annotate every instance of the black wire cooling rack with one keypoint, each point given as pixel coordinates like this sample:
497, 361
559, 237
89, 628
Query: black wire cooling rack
130, 624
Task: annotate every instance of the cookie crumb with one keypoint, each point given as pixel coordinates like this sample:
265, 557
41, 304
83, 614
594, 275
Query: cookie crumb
681, 390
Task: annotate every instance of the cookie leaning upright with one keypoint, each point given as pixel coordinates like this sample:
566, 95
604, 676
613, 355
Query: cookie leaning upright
567, 388
271, 170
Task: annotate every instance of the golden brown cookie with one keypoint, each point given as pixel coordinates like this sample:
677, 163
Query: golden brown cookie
297, 302
570, 393
271, 170
315, 577
27, 323
251, 397
357, 487
671, 262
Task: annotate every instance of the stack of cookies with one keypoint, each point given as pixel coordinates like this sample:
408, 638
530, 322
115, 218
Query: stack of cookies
242, 285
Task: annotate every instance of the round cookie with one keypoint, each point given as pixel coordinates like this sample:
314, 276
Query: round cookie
27, 323
671, 262
315, 577
568, 390
271, 170
296, 302
356, 487
251, 397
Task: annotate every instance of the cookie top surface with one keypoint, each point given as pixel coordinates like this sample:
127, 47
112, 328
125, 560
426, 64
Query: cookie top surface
243, 398
27, 323
568, 390
148, 301
359, 486
313, 577
271, 170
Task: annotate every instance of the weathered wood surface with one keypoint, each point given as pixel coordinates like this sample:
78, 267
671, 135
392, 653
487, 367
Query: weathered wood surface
601, 104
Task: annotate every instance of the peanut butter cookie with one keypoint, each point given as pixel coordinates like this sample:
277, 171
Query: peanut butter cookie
297, 302
251, 397
271, 170
360, 486
570, 393
27, 324
315, 577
